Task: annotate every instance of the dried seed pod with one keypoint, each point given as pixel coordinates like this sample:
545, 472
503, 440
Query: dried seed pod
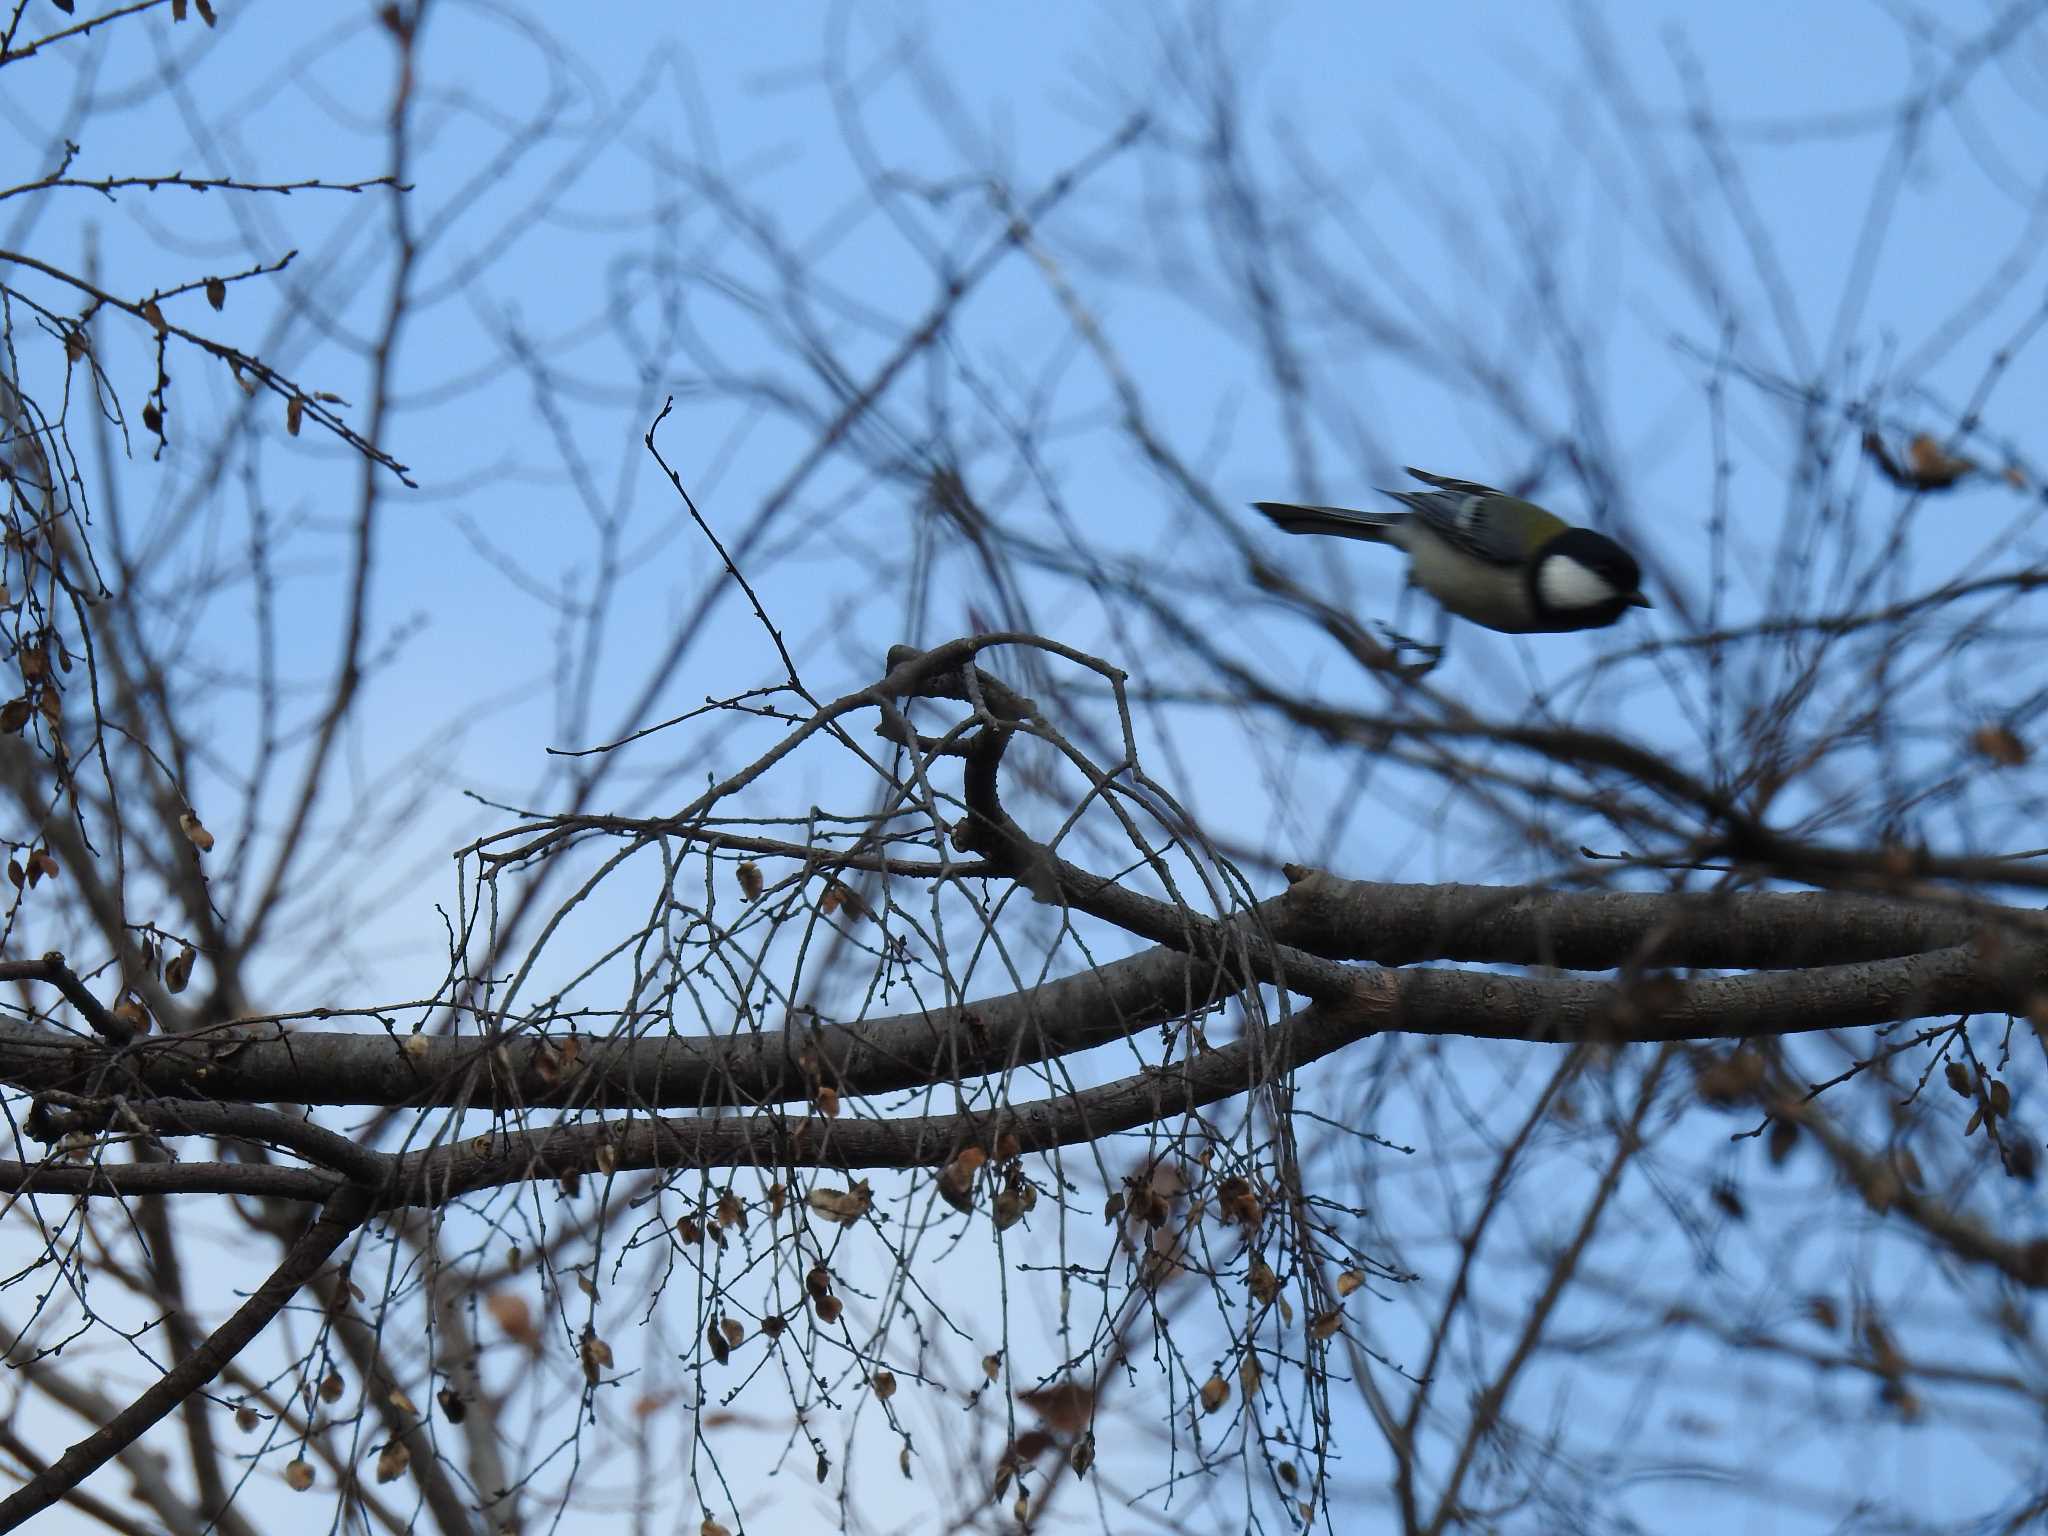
195, 831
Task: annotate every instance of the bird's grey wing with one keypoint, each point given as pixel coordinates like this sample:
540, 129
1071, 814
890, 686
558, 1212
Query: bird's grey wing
1447, 483
1467, 517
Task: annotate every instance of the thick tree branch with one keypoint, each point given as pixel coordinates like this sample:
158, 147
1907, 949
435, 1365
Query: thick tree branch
772, 1140
1598, 930
252, 1179
1319, 916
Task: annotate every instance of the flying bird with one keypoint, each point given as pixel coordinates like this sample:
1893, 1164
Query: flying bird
1490, 557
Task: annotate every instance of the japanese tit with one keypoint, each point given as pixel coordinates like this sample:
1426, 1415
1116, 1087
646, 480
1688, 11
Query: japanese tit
1490, 557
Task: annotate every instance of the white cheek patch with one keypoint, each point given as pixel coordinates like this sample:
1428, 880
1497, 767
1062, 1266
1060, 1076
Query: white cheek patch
1565, 585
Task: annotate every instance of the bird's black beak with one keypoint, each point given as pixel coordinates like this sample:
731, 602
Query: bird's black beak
1637, 600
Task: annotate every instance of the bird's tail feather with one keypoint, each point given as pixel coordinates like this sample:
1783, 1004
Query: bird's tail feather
1344, 522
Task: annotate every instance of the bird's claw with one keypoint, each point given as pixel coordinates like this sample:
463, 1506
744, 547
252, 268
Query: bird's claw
1431, 656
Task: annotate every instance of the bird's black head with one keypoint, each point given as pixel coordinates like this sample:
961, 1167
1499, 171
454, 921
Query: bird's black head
1583, 580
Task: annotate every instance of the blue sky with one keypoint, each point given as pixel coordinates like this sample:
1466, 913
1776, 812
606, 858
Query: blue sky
556, 249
